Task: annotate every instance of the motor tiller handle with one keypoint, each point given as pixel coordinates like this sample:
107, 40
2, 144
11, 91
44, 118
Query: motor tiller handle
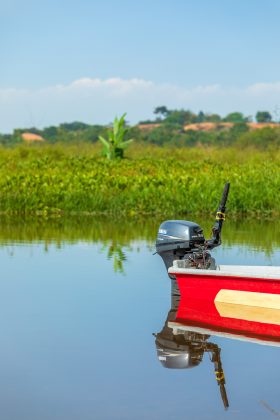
220, 217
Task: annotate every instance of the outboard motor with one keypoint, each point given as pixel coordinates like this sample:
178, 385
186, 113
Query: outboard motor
184, 240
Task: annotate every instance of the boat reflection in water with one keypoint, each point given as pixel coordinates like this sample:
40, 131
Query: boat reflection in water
180, 348
197, 314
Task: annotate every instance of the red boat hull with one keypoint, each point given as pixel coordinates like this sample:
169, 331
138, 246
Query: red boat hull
198, 304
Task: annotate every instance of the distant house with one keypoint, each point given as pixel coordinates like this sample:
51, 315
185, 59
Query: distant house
30, 137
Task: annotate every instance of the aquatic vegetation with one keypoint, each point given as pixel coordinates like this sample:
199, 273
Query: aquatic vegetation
57, 179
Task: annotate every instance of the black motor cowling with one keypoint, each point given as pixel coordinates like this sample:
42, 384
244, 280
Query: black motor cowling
176, 238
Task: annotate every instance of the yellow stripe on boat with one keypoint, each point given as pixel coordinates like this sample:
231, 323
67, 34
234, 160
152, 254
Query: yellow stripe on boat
249, 306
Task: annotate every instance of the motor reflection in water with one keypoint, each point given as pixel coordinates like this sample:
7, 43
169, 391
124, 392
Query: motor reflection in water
183, 349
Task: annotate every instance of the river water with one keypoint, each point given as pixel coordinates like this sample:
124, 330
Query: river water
80, 300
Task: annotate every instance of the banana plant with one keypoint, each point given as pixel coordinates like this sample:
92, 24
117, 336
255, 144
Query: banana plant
116, 253
114, 146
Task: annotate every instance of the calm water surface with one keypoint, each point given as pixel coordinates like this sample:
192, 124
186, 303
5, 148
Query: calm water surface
79, 303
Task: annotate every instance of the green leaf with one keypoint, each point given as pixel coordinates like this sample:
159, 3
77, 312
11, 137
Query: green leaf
125, 143
104, 142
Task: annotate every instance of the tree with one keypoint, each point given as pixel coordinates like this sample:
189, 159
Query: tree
114, 146
162, 111
50, 133
200, 117
264, 138
263, 117
181, 117
235, 117
215, 118
74, 126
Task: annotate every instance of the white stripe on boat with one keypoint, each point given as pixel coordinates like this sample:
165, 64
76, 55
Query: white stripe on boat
263, 272
179, 328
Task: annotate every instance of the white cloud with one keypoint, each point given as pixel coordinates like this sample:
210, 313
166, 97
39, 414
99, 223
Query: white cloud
264, 88
94, 100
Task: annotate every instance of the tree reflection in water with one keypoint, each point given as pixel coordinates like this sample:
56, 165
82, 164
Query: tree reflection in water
116, 253
118, 234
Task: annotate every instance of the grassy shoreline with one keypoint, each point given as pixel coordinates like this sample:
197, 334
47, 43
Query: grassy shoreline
165, 181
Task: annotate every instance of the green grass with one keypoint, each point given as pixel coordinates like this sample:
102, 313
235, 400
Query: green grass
46, 179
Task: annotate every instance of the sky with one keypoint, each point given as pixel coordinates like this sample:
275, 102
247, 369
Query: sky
89, 60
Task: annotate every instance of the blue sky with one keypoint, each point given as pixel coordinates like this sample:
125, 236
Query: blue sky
89, 60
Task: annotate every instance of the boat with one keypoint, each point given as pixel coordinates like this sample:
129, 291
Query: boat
237, 298
241, 299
